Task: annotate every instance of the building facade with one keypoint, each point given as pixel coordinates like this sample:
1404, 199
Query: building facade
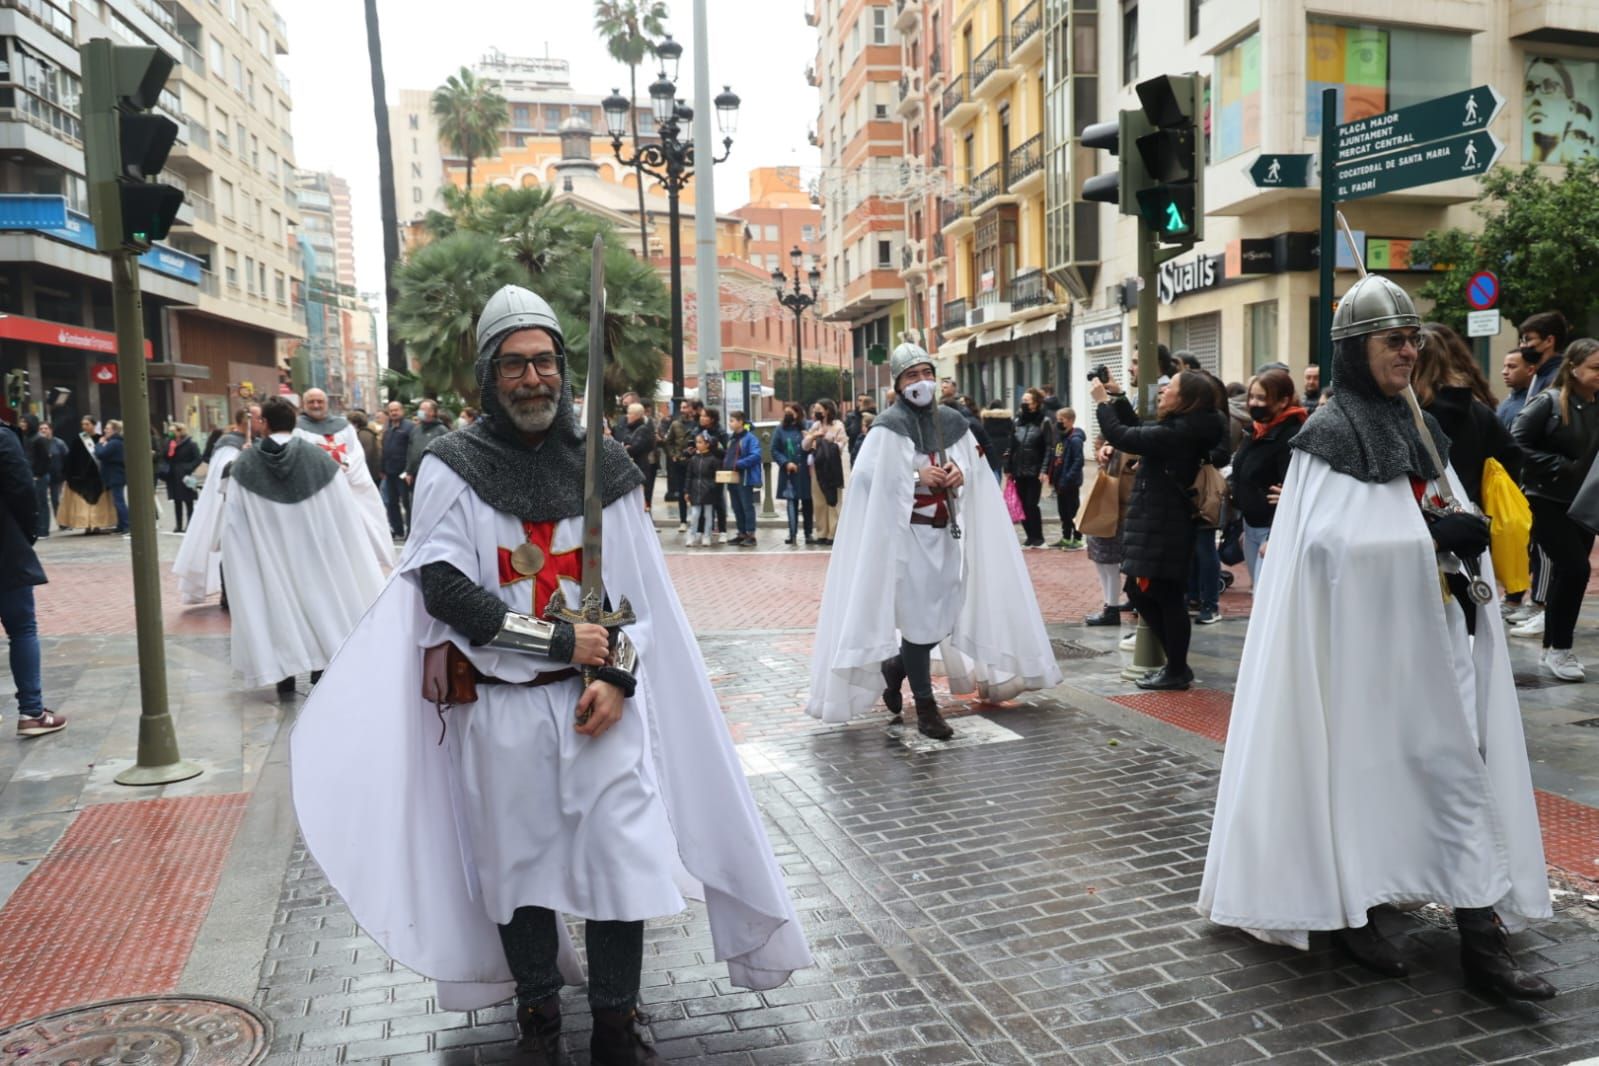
779, 218
339, 320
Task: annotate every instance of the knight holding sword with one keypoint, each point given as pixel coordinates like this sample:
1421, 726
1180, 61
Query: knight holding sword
925, 562
529, 760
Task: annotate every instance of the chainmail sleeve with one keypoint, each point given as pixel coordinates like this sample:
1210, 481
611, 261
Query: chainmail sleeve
461, 603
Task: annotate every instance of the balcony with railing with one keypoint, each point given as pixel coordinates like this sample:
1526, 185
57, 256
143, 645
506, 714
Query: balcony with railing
811, 77
992, 72
204, 209
959, 107
949, 212
22, 105
938, 149
1026, 42
986, 186
1029, 288
193, 59
910, 94
954, 315
51, 16
938, 247
814, 137
1025, 174
935, 68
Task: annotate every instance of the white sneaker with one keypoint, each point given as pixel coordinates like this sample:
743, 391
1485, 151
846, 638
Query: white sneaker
721, 538
682, 527
1531, 628
1129, 641
1563, 663
1517, 613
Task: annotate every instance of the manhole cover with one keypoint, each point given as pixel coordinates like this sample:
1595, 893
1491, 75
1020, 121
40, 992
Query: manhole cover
1072, 649
147, 1031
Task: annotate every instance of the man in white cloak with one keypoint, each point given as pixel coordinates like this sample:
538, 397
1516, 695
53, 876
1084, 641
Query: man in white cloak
298, 582
334, 435
1375, 753
198, 566
458, 835
925, 558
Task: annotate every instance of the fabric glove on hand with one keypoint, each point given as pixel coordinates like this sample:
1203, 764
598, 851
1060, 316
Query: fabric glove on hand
1465, 535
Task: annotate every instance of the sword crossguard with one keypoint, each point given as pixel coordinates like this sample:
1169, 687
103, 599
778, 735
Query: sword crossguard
591, 611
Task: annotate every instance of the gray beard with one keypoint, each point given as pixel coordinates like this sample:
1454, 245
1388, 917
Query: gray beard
529, 420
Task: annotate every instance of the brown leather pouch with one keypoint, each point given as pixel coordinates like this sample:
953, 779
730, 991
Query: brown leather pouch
448, 676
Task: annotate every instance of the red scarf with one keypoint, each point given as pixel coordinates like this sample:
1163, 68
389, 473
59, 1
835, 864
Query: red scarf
172, 447
1295, 411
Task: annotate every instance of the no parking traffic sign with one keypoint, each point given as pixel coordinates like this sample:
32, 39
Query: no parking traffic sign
1482, 291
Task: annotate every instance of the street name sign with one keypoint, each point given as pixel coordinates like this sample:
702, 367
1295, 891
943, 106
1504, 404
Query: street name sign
1457, 157
1482, 323
1279, 171
1407, 127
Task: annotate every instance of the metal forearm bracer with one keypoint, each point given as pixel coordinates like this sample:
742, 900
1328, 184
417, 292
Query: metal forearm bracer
623, 670
535, 636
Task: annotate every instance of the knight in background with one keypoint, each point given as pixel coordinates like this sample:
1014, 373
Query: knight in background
334, 435
925, 559
459, 835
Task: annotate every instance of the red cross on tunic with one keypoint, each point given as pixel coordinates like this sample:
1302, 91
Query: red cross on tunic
567, 564
334, 449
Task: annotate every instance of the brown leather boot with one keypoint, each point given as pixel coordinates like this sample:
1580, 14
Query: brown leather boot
1486, 958
893, 680
929, 722
540, 1025
618, 1040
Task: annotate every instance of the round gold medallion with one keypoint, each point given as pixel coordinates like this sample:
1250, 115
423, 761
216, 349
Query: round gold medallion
527, 559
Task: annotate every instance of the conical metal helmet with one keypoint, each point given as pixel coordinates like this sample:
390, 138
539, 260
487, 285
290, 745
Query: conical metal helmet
1373, 303
907, 355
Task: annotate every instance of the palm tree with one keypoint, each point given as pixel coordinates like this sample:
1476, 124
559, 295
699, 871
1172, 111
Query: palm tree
443, 287
630, 29
471, 115
387, 206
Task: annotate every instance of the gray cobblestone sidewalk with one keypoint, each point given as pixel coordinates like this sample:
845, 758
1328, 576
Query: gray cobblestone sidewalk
1025, 896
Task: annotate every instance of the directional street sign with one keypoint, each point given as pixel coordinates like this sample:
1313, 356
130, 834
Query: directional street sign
1432, 120
1482, 291
1278, 171
1458, 157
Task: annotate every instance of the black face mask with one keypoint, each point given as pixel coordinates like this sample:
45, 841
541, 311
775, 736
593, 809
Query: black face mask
1260, 414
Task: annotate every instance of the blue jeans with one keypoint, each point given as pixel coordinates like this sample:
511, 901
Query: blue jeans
797, 509
119, 500
397, 501
1204, 576
22, 632
41, 495
1254, 539
744, 509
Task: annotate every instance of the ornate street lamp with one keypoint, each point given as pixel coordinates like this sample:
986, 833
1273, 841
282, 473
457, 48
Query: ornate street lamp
670, 160
797, 302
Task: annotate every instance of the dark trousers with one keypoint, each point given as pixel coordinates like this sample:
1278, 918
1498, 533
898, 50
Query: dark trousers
649, 471
397, 501
797, 510
1567, 545
1163, 607
744, 508
41, 497
1067, 500
55, 495
119, 500
1204, 576
719, 507
184, 510
615, 958
676, 474
1030, 489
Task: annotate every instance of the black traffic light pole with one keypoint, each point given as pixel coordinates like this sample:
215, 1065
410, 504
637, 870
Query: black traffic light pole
120, 85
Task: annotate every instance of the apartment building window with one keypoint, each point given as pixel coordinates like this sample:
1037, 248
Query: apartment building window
885, 255
263, 40
260, 269
218, 58
1193, 18
272, 166
879, 25
249, 86
255, 218
280, 288
1129, 42
771, 262
231, 268
1236, 96
1376, 68
249, 275
277, 226
224, 124
255, 151
238, 74
808, 233
770, 233
243, 133
552, 118
226, 198
1564, 92
413, 121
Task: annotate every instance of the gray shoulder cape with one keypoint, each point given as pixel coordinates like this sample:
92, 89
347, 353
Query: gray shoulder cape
536, 483
917, 423
326, 428
291, 474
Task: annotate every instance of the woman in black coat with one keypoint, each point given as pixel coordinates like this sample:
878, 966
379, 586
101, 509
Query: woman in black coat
1160, 531
1000, 427
182, 456
1261, 463
1025, 464
1451, 387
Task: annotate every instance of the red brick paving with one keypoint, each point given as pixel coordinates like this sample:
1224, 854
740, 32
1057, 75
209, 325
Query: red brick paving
1570, 829
115, 907
96, 599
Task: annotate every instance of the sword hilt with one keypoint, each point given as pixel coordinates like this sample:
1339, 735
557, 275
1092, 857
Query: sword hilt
592, 612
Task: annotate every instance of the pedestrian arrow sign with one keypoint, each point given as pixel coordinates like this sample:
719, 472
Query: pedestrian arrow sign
1278, 171
1457, 157
1407, 127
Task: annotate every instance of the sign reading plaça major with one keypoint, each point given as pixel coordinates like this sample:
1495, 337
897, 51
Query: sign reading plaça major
1192, 275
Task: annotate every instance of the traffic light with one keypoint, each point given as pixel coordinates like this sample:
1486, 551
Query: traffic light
125, 145
1171, 197
1117, 186
17, 388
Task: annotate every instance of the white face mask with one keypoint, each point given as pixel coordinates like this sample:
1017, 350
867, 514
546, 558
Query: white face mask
920, 393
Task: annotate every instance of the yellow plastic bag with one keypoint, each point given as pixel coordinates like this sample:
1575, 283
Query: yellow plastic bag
1510, 529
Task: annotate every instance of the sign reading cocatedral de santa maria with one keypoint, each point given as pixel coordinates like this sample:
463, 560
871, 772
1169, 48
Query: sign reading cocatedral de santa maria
1193, 275
1407, 127
1458, 157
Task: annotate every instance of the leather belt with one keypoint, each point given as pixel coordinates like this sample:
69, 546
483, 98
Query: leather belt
936, 521
548, 678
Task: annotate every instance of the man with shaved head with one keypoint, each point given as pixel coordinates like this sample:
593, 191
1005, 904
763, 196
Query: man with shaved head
334, 435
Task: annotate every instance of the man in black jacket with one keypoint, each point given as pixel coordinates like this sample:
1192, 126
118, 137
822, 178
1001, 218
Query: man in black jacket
396, 450
39, 458
19, 573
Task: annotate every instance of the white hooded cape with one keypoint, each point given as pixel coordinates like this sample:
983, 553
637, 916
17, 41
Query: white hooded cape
345, 446
298, 582
379, 803
998, 648
198, 566
1375, 753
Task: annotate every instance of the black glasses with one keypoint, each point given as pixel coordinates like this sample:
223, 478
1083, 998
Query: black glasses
1397, 341
511, 367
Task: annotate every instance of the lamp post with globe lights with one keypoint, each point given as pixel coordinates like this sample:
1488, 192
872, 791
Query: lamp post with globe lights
670, 160
797, 301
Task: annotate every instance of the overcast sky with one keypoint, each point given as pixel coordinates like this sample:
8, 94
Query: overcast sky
760, 47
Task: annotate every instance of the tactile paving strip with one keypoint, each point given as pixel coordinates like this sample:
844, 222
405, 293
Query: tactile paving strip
1570, 829
114, 908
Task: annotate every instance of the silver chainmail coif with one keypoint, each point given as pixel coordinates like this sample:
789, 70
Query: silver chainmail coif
539, 482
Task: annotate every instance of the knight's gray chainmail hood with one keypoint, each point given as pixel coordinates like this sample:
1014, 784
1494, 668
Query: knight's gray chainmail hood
230, 440
916, 423
326, 428
535, 482
1361, 432
288, 473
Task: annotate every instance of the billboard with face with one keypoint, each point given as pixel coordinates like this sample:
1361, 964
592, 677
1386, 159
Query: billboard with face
1559, 122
